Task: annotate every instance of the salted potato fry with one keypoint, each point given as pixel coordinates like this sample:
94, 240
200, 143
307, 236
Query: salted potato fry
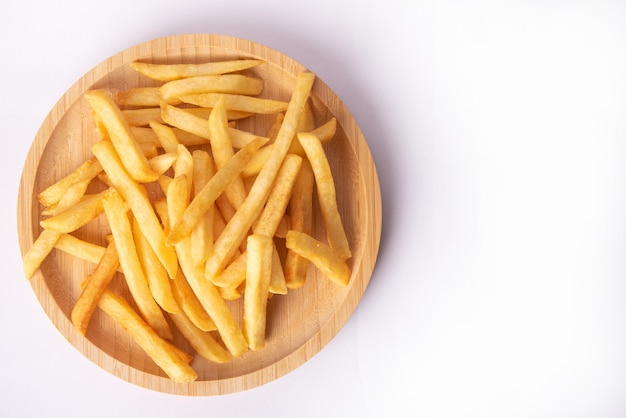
189, 303
76, 216
202, 234
156, 275
238, 102
206, 197
201, 341
38, 252
222, 148
143, 116
228, 83
160, 351
72, 196
320, 255
131, 155
139, 97
162, 162
324, 181
168, 72
53, 193
94, 286
134, 194
301, 217
226, 244
258, 272
79, 248
117, 214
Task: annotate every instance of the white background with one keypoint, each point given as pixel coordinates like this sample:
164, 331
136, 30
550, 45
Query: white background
499, 132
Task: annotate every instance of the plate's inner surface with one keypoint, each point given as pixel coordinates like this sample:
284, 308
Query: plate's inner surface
293, 319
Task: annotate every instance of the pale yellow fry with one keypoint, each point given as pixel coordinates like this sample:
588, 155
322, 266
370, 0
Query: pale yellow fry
324, 132
184, 166
127, 147
320, 255
53, 193
222, 148
168, 72
37, 253
76, 216
301, 219
95, 284
234, 274
139, 97
327, 197
135, 195
143, 116
162, 162
278, 285
202, 234
199, 127
228, 83
206, 197
159, 350
79, 248
258, 272
202, 341
158, 280
237, 227
72, 196
166, 136
117, 215
189, 303
238, 102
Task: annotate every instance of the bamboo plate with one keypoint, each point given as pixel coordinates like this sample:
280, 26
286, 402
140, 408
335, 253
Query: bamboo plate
300, 323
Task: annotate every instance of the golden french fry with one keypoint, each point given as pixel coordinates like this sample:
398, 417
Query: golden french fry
206, 197
202, 234
168, 72
135, 195
278, 285
226, 244
238, 102
131, 155
166, 136
222, 148
117, 214
228, 83
189, 303
139, 97
301, 216
53, 193
80, 249
148, 136
143, 116
156, 275
201, 341
94, 286
320, 255
327, 197
162, 162
159, 350
76, 216
258, 272
72, 196
233, 275
184, 166
38, 252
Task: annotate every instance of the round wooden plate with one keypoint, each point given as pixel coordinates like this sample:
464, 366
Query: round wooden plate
299, 323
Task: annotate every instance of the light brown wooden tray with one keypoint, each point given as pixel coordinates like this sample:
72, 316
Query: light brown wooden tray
300, 323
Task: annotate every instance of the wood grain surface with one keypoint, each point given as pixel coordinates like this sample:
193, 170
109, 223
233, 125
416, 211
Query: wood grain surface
300, 323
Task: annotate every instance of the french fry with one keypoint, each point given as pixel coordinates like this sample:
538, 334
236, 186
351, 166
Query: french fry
139, 97
202, 234
131, 155
162, 162
258, 271
228, 83
168, 72
72, 196
117, 214
189, 303
38, 252
184, 166
156, 275
145, 135
76, 216
206, 197
238, 102
53, 193
320, 255
222, 148
143, 116
134, 194
94, 286
226, 244
79, 248
160, 351
202, 341
335, 231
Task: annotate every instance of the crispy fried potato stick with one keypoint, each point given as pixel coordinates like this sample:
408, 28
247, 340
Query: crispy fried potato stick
168, 72
258, 272
39, 251
53, 193
228, 83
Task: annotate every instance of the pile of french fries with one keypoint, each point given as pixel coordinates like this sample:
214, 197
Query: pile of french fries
210, 235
